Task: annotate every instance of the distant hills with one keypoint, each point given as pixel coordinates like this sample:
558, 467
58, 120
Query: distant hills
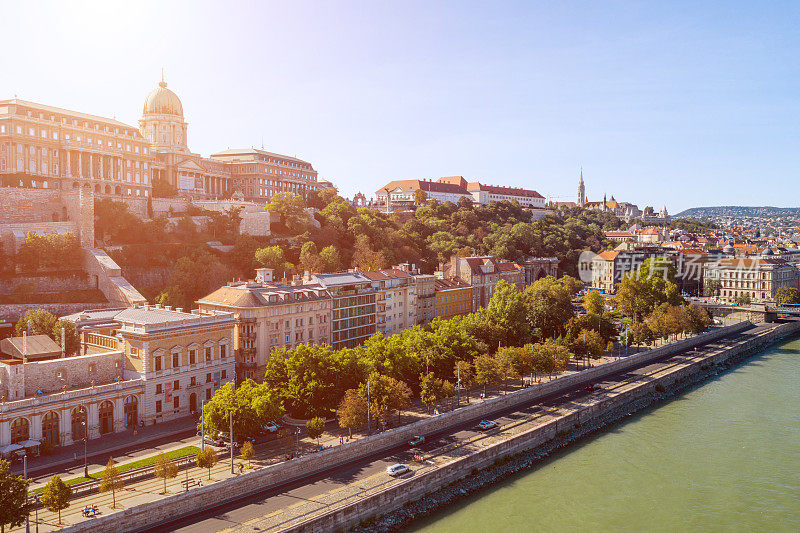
739, 211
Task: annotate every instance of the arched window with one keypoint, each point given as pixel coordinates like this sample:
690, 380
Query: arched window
78, 423
106, 414
50, 428
20, 430
131, 411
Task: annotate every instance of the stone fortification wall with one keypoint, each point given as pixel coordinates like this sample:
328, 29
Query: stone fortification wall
75, 281
48, 211
14, 312
108, 277
72, 372
30, 205
170, 508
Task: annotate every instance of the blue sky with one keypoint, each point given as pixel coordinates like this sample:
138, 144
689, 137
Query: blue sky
676, 103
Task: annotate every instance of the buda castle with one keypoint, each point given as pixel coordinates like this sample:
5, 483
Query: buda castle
47, 147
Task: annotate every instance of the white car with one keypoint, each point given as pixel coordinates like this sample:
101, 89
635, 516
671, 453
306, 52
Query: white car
485, 425
271, 427
397, 470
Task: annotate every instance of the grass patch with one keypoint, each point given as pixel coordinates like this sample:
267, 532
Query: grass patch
146, 461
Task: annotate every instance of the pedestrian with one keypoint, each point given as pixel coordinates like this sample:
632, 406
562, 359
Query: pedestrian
199, 482
241, 467
75, 457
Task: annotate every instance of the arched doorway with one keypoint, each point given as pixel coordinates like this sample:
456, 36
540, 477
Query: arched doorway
78, 423
106, 414
541, 274
193, 403
20, 430
50, 429
131, 411
117, 190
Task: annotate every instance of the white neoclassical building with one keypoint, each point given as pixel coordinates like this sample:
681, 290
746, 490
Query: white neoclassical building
140, 366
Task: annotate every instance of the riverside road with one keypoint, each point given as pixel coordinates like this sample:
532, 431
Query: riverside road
281, 507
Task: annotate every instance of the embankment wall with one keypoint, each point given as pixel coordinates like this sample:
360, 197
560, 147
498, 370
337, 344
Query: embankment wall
173, 507
601, 411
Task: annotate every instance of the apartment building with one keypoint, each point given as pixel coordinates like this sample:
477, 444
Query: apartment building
453, 298
270, 315
354, 307
396, 299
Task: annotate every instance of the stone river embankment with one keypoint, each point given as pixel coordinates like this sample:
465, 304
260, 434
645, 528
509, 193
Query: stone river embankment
400, 504
421, 493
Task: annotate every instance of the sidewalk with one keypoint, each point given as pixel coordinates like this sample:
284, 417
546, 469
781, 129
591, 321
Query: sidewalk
100, 449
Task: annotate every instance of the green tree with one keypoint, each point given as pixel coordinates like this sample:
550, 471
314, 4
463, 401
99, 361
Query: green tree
712, 287
787, 295
549, 307
487, 371
466, 373
247, 452
697, 318
315, 428
433, 389
386, 394
589, 344
111, 481
330, 259
36, 322
309, 258
594, 303
56, 496
206, 458
744, 299
13, 495
312, 379
252, 404
508, 312
164, 469
511, 360
420, 197
352, 411
573, 285
272, 257
292, 210
71, 337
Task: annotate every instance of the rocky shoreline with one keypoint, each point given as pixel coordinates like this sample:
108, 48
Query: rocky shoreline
434, 502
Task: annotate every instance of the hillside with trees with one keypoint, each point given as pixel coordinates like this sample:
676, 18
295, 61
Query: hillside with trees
338, 236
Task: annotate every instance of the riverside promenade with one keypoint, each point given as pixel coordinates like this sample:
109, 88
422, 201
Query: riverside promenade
271, 488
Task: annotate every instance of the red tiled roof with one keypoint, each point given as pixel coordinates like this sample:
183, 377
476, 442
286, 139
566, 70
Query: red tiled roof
608, 255
389, 273
497, 189
508, 266
450, 283
427, 186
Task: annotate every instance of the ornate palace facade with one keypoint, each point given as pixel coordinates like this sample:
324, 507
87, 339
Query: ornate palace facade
51, 148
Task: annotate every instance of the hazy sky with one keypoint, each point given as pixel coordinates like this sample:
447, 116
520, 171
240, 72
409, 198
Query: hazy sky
683, 103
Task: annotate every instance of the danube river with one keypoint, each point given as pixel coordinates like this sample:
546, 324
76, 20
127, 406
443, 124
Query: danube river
722, 457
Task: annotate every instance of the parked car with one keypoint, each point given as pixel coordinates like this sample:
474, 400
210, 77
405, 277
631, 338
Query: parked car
397, 470
592, 386
485, 425
213, 442
416, 441
271, 427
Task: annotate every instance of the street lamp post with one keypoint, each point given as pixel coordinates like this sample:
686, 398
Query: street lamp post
85, 446
231, 435
25, 475
36, 510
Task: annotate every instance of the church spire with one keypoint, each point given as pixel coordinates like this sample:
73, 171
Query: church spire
581, 191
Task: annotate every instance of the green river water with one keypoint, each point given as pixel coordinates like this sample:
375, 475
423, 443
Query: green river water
722, 457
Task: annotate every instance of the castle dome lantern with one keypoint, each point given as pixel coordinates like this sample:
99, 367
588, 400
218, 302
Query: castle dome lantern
162, 101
